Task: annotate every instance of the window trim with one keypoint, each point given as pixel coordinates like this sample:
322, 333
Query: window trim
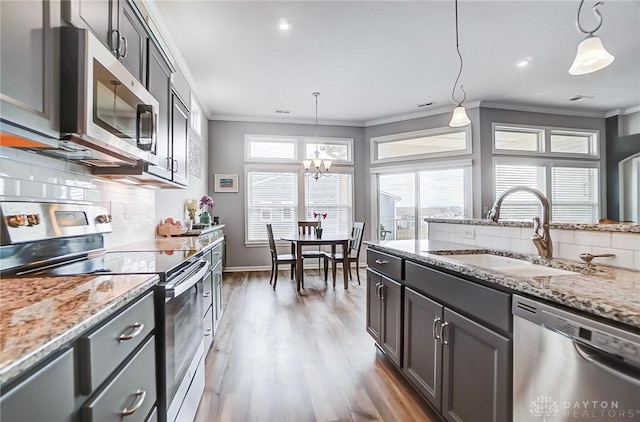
375, 141
546, 132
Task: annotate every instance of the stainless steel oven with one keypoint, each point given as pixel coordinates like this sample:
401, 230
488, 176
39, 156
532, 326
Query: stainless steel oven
55, 239
180, 302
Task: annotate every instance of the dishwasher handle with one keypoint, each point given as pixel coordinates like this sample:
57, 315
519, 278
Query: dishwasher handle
602, 361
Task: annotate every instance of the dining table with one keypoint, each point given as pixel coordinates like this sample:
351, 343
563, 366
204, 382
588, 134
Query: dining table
298, 241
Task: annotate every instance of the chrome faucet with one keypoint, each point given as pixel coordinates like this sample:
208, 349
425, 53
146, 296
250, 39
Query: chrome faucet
542, 241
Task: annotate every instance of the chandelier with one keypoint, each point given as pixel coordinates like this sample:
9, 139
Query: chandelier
316, 167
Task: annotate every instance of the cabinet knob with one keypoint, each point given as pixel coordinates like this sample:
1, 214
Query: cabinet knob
141, 395
381, 262
17, 220
207, 332
206, 294
103, 219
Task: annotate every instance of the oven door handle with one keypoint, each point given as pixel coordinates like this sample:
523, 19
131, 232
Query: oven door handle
175, 290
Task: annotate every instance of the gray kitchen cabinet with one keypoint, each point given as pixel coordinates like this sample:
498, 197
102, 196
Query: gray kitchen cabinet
218, 303
386, 296
131, 395
460, 366
476, 375
47, 395
118, 24
179, 140
159, 85
29, 69
422, 348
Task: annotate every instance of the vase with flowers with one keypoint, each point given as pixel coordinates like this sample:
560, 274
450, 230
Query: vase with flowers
207, 204
191, 206
320, 217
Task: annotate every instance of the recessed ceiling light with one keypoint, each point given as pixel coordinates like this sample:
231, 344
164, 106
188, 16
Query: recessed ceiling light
522, 63
284, 24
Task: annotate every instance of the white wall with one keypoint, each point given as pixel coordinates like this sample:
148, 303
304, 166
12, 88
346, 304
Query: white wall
226, 155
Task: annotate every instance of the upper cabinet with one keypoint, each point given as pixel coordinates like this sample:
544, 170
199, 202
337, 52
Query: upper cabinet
29, 62
118, 24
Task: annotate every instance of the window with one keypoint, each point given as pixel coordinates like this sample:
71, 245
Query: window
561, 163
444, 191
572, 189
272, 197
278, 192
270, 149
421, 144
195, 117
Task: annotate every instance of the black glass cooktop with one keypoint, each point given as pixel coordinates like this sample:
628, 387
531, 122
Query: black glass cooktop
151, 262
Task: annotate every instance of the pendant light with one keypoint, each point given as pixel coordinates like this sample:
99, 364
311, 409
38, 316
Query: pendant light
591, 55
459, 116
320, 167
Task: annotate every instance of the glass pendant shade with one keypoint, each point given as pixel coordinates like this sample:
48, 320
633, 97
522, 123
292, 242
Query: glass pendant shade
306, 164
590, 57
459, 117
327, 164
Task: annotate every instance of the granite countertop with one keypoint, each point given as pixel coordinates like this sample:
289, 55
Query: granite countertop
608, 292
187, 243
40, 315
620, 227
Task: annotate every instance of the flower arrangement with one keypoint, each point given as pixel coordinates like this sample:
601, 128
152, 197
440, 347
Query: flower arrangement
192, 207
207, 203
318, 215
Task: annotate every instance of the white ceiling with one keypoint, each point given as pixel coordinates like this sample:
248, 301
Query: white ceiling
374, 60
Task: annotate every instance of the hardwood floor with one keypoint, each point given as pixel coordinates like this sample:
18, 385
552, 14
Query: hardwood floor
280, 356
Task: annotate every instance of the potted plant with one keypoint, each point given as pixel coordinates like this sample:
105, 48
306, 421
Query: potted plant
320, 217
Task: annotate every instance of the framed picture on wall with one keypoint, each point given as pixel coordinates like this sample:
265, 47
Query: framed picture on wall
225, 183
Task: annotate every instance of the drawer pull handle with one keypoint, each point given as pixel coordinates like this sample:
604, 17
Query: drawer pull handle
216, 253
141, 394
442, 339
381, 262
435, 328
207, 332
206, 294
137, 329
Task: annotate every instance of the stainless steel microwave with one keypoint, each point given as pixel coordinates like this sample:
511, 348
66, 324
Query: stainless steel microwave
102, 105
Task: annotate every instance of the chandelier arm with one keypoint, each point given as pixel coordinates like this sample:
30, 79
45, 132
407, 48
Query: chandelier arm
595, 12
453, 91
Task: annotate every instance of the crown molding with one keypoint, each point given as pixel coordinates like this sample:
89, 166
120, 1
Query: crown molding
623, 111
164, 36
284, 120
541, 109
417, 114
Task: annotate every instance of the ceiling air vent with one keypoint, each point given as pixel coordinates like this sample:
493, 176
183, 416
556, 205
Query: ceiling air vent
281, 111
579, 97
430, 103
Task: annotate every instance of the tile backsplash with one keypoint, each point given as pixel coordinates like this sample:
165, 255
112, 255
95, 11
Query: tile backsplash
568, 244
29, 176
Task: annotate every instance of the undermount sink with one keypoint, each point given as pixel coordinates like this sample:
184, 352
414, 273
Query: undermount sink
507, 265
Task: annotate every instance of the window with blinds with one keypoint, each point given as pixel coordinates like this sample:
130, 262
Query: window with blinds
571, 182
571, 188
332, 195
272, 198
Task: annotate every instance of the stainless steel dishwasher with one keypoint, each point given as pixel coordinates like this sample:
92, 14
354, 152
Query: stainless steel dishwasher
567, 367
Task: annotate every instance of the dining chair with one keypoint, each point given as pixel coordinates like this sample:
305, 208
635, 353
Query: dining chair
309, 228
278, 259
353, 254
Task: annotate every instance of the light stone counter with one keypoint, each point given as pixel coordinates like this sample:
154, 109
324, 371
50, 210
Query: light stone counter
621, 227
608, 292
178, 243
40, 315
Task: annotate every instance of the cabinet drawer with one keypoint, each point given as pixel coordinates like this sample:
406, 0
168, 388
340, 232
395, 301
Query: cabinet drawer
134, 389
207, 292
216, 253
386, 264
47, 395
105, 348
484, 303
207, 324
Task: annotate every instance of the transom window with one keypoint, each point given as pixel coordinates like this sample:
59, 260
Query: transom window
421, 144
509, 139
